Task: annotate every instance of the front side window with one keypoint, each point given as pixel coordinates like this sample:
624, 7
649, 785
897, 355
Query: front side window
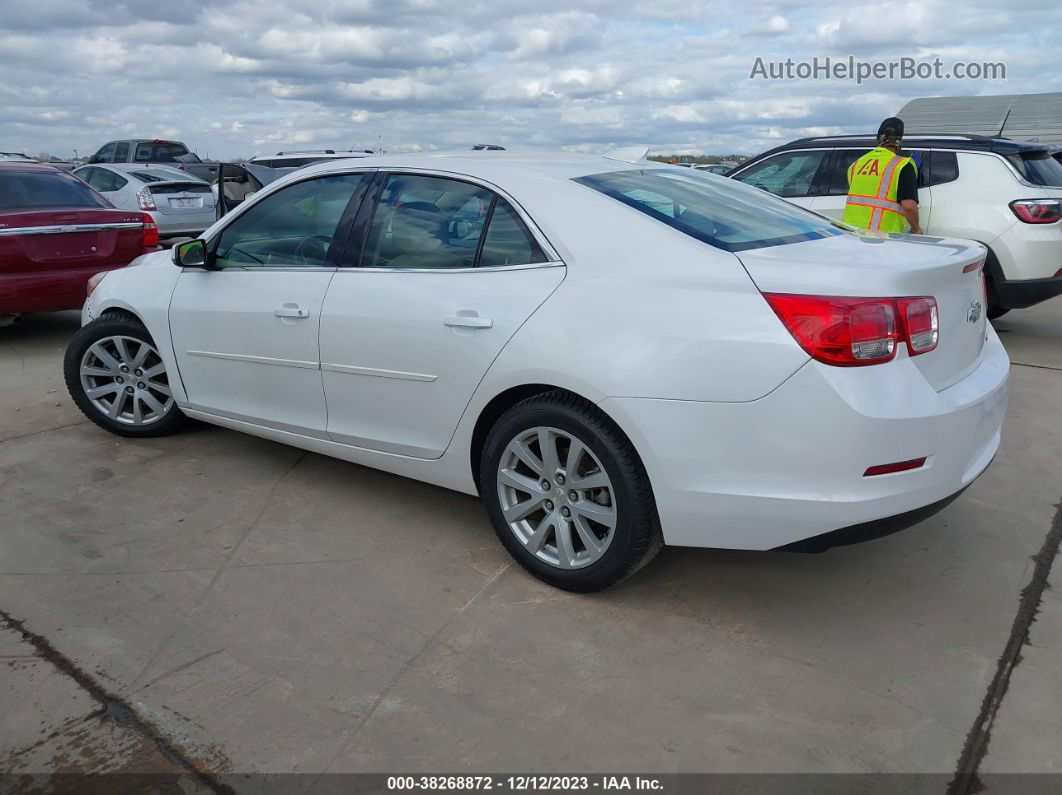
720, 212
789, 175
426, 222
38, 190
293, 227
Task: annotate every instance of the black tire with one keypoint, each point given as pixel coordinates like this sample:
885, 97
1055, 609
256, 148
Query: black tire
995, 310
115, 324
636, 537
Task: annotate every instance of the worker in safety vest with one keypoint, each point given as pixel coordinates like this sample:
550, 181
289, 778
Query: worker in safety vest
883, 186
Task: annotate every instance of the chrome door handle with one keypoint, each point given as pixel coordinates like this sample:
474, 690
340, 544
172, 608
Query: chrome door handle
290, 310
469, 321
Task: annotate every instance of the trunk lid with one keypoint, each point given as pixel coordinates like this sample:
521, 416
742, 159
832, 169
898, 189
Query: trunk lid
867, 265
56, 239
181, 198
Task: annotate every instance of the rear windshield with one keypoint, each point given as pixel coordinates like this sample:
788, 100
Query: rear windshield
290, 162
161, 175
35, 190
721, 212
1039, 168
160, 152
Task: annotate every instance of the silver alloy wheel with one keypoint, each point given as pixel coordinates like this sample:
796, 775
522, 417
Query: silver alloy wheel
125, 379
557, 498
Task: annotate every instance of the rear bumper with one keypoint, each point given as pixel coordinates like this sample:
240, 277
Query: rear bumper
1023, 264
190, 224
868, 531
46, 291
1019, 295
789, 467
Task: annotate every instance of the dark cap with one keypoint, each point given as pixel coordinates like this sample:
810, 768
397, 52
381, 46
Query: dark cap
891, 127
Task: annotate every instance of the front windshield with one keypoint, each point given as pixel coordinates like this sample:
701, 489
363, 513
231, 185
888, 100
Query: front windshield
719, 211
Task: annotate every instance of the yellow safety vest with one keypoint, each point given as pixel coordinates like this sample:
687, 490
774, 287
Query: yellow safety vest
872, 183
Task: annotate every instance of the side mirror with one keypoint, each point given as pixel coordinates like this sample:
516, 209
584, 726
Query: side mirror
192, 254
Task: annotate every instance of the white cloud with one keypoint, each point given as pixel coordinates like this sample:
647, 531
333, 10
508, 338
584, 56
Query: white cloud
233, 76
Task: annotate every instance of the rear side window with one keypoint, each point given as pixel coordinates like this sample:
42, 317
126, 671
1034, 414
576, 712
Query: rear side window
720, 212
1038, 167
159, 152
842, 161
945, 168
507, 241
36, 190
789, 174
159, 175
426, 222
121, 152
837, 181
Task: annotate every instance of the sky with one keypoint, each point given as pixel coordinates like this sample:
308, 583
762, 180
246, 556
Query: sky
234, 78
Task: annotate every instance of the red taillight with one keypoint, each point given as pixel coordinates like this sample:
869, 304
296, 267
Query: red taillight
899, 466
852, 332
1037, 211
847, 332
920, 323
151, 232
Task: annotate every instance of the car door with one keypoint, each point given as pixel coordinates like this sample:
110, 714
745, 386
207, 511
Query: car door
440, 274
791, 175
834, 194
245, 329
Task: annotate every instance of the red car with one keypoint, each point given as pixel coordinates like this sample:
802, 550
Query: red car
56, 232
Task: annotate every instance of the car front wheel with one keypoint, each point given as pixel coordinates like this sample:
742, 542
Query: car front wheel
567, 493
117, 378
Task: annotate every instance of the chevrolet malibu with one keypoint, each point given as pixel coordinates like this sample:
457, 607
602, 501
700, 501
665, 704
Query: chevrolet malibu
614, 355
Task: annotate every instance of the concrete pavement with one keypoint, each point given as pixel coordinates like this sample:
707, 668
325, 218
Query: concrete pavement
266, 610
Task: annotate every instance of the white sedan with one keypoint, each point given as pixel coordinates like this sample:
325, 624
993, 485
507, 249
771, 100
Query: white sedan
614, 355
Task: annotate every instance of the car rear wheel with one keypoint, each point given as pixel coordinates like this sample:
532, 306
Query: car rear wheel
117, 378
567, 494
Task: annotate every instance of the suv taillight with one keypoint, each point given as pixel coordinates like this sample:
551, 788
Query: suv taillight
1037, 211
145, 199
151, 232
853, 332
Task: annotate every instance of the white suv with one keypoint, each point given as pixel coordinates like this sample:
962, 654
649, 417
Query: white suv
1005, 194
